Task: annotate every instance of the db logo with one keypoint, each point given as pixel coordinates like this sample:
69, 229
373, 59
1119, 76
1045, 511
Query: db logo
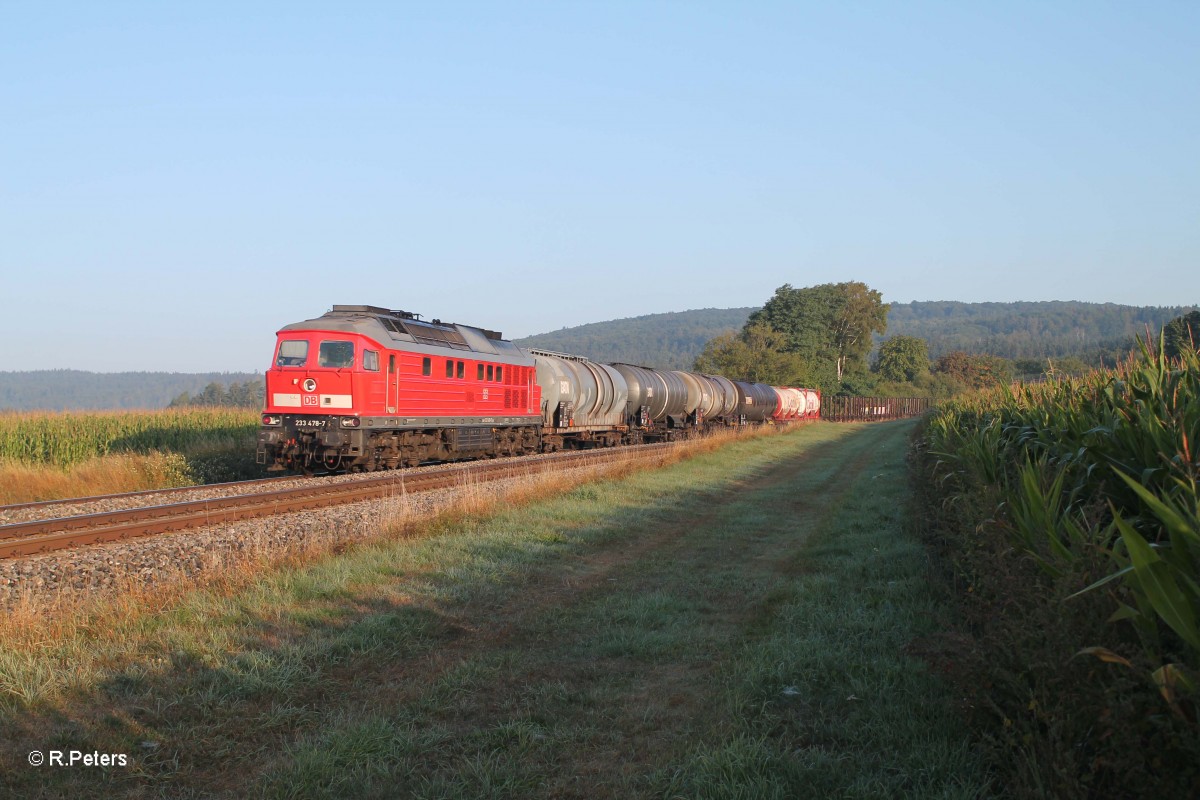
309, 400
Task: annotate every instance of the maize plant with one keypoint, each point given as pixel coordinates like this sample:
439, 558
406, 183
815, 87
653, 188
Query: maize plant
63, 439
1101, 463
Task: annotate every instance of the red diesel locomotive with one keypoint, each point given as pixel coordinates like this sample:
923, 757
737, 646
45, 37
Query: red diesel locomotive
367, 388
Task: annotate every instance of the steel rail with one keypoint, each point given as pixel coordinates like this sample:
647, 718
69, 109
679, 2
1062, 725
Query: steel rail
66, 501
46, 535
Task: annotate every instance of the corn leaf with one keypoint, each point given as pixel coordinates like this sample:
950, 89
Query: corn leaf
1158, 583
1171, 519
1106, 579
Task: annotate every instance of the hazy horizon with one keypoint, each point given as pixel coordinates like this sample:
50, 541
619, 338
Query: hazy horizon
268, 351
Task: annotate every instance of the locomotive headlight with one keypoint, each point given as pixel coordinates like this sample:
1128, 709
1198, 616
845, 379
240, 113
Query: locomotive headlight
310, 385
271, 419
350, 422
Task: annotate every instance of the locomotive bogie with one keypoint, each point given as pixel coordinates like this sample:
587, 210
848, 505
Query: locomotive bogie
332, 449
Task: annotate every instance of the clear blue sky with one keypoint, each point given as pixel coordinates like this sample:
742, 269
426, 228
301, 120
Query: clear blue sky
179, 180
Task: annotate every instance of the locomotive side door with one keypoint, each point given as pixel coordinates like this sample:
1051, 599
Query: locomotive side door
393, 385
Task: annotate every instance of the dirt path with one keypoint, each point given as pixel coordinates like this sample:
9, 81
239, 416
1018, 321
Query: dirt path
638, 699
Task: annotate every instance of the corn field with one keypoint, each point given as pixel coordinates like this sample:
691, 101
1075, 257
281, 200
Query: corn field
65, 439
1104, 463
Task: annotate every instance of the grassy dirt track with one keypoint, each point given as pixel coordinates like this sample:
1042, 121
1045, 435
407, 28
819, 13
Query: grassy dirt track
742, 624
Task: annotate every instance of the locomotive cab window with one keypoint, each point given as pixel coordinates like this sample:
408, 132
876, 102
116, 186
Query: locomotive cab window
500, 373
479, 375
426, 366
336, 355
370, 361
460, 369
292, 353
449, 369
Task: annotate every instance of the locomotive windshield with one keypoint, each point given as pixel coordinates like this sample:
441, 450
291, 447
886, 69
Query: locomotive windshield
292, 353
336, 355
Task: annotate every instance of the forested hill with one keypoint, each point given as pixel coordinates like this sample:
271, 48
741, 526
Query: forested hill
667, 341
61, 389
1028, 330
1012, 330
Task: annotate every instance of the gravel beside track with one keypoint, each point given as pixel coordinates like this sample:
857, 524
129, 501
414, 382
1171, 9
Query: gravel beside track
98, 570
10, 515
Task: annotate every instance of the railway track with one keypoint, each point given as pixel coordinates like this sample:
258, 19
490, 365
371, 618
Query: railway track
46, 535
67, 501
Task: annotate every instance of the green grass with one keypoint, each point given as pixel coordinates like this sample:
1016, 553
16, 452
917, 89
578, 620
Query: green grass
737, 625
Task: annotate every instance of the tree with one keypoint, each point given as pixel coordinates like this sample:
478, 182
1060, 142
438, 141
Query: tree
1181, 334
239, 395
245, 395
831, 323
975, 371
213, 395
756, 353
862, 313
902, 358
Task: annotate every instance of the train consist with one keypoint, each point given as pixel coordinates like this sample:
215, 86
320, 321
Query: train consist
363, 388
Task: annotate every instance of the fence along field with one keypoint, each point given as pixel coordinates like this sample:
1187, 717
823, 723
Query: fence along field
59, 454
872, 409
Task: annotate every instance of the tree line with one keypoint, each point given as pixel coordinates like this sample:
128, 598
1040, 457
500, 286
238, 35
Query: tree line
78, 390
250, 394
1051, 337
822, 337
1096, 333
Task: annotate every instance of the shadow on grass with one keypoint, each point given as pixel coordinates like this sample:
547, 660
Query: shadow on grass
190, 714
